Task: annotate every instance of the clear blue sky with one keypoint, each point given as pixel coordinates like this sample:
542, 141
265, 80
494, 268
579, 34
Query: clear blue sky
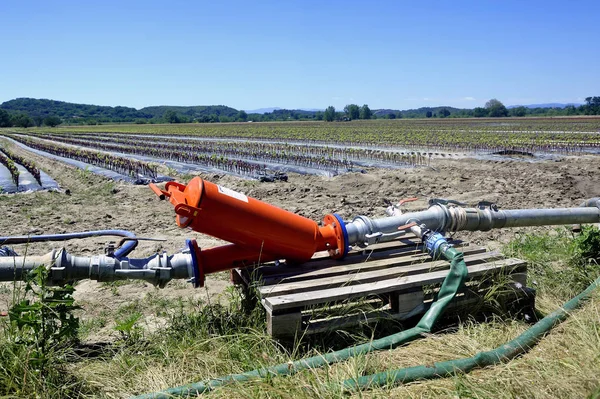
300, 54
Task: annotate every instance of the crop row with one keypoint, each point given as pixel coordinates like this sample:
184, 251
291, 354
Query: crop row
29, 165
120, 165
194, 156
428, 138
229, 165
322, 157
429, 144
377, 131
12, 168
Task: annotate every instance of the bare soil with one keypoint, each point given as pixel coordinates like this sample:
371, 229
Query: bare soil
91, 202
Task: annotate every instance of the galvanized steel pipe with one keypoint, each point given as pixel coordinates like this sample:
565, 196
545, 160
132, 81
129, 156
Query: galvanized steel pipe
63, 267
192, 263
364, 230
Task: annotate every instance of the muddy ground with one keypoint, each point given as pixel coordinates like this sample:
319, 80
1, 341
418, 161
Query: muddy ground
90, 202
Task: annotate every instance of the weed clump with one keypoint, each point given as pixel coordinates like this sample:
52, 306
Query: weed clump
559, 262
37, 339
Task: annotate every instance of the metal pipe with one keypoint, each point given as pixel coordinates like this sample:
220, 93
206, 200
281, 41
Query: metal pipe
364, 230
127, 247
64, 267
543, 217
263, 235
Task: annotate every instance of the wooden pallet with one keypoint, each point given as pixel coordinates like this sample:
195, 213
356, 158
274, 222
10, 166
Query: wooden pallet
393, 280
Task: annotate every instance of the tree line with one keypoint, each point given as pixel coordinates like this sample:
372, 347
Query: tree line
32, 112
21, 119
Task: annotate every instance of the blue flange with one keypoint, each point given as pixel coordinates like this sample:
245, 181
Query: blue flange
345, 234
198, 277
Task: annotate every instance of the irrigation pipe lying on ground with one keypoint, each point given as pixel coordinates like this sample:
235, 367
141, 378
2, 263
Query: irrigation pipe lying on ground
123, 251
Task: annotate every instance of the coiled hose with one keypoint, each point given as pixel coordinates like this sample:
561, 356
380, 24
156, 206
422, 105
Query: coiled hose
453, 281
119, 253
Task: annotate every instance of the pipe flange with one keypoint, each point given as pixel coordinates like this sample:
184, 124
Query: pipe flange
198, 280
341, 234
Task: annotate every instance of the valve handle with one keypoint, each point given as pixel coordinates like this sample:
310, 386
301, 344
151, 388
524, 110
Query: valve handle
405, 200
407, 226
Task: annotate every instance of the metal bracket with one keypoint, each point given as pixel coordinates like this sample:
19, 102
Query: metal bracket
58, 274
109, 249
487, 205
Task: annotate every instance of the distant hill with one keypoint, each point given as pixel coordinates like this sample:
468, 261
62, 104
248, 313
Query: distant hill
194, 112
67, 111
262, 110
273, 109
546, 105
311, 109
72, 112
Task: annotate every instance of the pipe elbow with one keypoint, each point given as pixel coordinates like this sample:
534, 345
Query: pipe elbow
590, 203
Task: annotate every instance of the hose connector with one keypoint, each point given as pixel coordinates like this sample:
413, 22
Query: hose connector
434, 242
592, 202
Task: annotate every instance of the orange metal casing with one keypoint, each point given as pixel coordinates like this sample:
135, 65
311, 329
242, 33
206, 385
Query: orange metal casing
258, 231
220, 212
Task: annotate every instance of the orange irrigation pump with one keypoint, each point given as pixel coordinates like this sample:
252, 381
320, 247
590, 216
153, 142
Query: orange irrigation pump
257, 230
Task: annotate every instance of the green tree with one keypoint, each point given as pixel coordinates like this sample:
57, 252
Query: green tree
352, 111
518, 111
242, 116
365, 112
428, 114
5, 120
319, 116
444, 113
496, 109
570, 110
22, 120
329, 114
54, 120
480, 112
592, 106
171, 116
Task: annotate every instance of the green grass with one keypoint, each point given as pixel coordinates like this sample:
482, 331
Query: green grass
203, 340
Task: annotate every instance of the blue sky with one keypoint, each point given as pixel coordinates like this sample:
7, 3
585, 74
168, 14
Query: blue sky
300, 54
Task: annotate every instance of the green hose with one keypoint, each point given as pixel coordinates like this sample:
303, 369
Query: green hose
508, 351
453, 281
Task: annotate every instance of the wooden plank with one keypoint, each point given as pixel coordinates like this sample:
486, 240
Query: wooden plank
407, 302
304, 299
334, 323
355, 255
284, 325
366, 275
303, 274
266, 272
